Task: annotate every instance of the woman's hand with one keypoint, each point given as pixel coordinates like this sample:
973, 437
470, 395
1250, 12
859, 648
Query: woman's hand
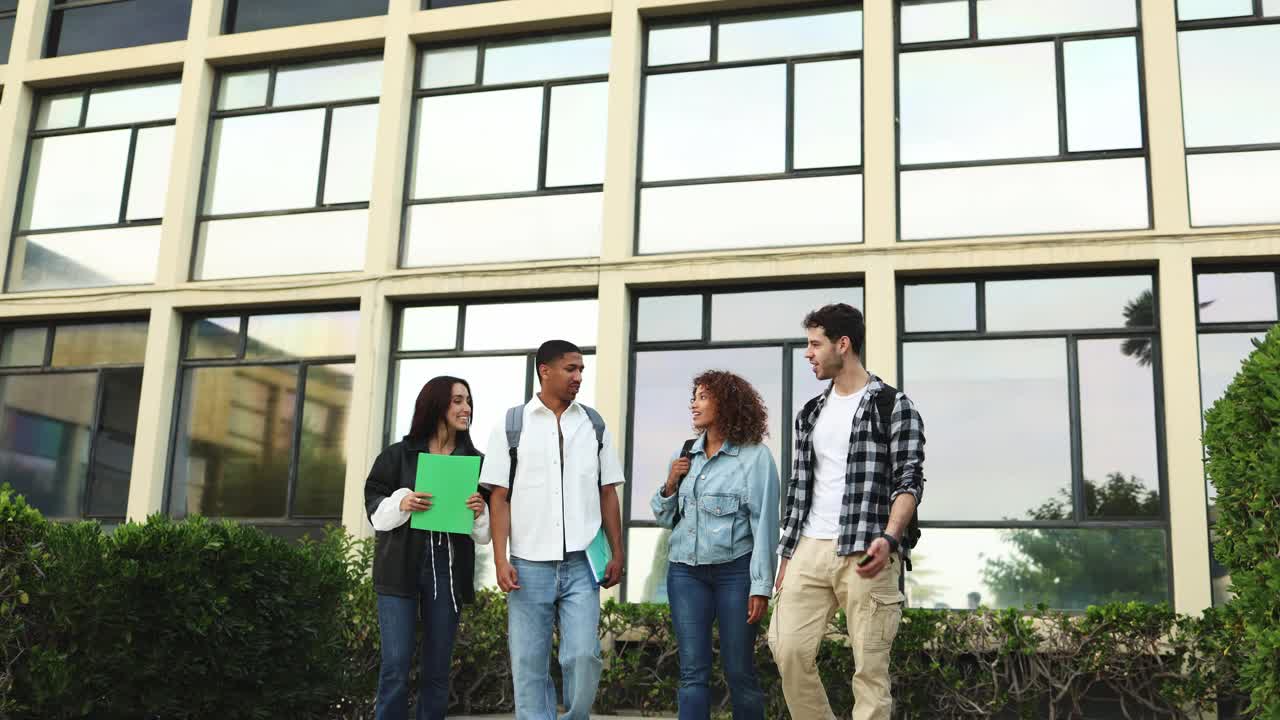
679, 468
756, 605
415, 502
476, 504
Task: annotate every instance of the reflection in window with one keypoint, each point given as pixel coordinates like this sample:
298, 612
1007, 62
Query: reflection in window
725, 147
80, 27
509, 151
496, 356
971, 100
8, 12
96, 179
250, 15
262, 434
670, 349
287, 191
67, 426
1231, 111
1235, 310
1063, 370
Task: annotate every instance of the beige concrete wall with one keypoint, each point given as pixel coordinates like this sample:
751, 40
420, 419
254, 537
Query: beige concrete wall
1171, 246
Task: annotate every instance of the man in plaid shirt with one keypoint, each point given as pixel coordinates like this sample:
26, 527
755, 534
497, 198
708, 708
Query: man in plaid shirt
851, 496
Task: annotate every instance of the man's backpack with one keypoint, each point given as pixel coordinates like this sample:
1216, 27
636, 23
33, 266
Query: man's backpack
885, 400
515, 425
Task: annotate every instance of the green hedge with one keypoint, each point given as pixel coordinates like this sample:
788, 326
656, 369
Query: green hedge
1242, 442
197, 619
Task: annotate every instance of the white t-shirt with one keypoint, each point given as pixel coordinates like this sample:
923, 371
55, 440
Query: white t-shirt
831, 457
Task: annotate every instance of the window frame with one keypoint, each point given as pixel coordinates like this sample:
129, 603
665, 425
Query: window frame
712, 63
231, 7
1064, 153
53, 26
47, 368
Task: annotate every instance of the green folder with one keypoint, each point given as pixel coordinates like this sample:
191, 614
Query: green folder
599, 555
450, 479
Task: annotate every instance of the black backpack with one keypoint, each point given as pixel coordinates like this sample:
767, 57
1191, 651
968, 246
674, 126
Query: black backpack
885, 400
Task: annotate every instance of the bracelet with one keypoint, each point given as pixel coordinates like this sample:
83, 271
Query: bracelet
893, 541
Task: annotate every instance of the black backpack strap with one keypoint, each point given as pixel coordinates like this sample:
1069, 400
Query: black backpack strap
514, 426
597, 424
684, 452
886, 400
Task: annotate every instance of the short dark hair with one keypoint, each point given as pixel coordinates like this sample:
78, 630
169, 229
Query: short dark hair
552, 350
837, 321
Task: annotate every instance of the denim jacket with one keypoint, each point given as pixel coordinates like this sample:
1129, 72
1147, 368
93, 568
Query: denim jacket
729, 507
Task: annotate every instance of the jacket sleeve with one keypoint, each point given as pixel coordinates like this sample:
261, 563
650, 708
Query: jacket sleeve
381, 483
764, 522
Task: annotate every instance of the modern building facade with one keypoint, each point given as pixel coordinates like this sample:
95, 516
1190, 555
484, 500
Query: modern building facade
245, 232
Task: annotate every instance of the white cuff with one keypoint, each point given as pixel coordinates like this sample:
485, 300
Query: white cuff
480, 531
389, 516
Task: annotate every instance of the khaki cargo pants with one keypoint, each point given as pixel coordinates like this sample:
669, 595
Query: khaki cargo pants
817, 582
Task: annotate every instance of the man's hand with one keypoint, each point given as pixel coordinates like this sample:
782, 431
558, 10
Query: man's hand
508, 580
415, 502
879, 554
755, 608
613, 572
476, 504
782, 570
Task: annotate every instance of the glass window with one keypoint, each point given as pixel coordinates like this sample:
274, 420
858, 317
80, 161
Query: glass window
576, 135
811, 33
245, 429
539, 227
85, 258
1205, 9
240, 180
1102, 94
1016, 18
67, 178
250, 15
246, 89
669, 317
1234, 188
429, 328
1118, 429
133, 104
539, 59
315, 242
1229, 94
1236, 297
66, 429
504, 326
939, 307
449, 67
87, 27
932, 21
478, 143
1070, 303
772, 313
150, 179
675, 44
828, 113
59, 111
328, 81
349, 168
6, 36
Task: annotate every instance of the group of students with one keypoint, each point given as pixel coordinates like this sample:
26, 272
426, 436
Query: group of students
856, 482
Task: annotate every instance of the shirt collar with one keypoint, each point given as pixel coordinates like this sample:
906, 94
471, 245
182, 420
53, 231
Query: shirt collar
699, 446
536, 405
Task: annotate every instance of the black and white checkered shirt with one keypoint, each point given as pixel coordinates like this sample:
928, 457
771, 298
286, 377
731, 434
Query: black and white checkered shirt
875, 475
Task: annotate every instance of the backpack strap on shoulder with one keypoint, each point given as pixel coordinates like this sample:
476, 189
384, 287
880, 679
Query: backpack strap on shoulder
514, 426
886, 400
597, 424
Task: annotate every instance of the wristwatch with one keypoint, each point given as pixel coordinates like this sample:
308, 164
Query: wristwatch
893, 541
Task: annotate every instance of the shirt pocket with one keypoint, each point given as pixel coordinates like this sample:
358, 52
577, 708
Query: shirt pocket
532, 468
717, 515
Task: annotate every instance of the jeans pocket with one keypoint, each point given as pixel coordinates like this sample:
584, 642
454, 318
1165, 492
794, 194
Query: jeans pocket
886, 614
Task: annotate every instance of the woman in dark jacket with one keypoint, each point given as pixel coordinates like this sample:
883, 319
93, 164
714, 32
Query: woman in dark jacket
421, 574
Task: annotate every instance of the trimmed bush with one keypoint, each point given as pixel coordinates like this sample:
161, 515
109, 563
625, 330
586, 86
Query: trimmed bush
22, 552
1242, 441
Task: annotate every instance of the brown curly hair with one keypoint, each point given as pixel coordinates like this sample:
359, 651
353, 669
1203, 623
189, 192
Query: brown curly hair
741, 413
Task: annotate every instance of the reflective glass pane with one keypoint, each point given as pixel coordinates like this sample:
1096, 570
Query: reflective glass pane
478, 143
1070, 303
526, 325
45, 433
449, 67
1204, 9
22, 346
1014, 18
648, 550
1103, 110
1237, 297
1229, 92
317, 334
546, 59
771, 314
76, 180
1066, 569
1080, 196
1221, 355
6, 38
715, 122
87, 258
1118, 429
352, 137
808, 34
939, 307
1234, 188
1271, 8
576, 136
980, 103
249, 15
1012, 461
243, 89
133, 104
322, 454
235, 441
149, 184
122, 343
429, 328
931, 21
264, 162
328, 81
679, 44
531, 228
315, 242
113, 442
769, 213
497, 383
660, 407
60, 111
828, 114
215, 337
117, 25
669, 317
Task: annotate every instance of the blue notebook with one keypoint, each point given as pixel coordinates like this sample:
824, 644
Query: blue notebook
599, 555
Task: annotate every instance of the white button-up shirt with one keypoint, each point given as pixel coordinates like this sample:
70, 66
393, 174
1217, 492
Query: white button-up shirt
553, 509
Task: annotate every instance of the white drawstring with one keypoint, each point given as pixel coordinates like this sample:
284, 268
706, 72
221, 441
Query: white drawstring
452, 599
444, 540
431, 542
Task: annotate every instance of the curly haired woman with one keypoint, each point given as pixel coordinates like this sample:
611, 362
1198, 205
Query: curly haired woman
724, 515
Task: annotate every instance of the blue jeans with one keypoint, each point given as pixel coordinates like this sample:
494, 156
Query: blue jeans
397, 622
568, 589
698, 595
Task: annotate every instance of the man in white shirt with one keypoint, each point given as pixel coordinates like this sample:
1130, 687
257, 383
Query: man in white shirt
563, 490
